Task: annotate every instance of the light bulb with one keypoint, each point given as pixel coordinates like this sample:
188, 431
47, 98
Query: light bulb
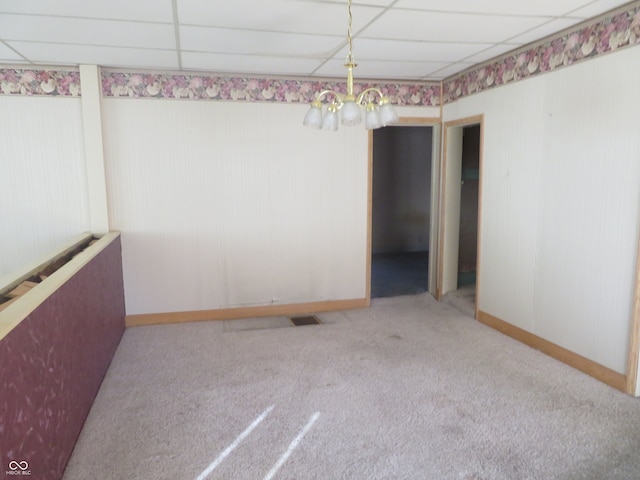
313, 118
351, 113
330, 120
372, 118
387, 112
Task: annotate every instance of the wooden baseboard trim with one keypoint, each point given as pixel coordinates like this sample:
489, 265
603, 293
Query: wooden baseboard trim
243, 312
591, 368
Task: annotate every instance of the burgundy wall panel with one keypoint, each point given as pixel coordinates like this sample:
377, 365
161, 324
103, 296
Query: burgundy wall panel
52, 364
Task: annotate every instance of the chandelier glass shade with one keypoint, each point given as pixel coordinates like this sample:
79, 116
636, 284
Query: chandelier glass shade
378, 110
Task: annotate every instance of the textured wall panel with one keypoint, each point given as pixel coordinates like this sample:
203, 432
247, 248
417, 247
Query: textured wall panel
561, 203
52, 364
43, 192
234, 204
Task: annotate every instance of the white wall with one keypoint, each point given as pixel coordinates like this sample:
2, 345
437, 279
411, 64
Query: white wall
43, 189
561, 203
234, 204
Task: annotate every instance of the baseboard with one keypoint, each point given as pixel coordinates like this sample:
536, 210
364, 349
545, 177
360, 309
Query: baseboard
243, 312
591, 368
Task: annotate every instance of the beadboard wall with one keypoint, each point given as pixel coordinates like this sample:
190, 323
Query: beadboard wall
561, 204
234, 204
43, 185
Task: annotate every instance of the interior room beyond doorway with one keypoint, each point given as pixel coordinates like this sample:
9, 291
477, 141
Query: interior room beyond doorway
401, 210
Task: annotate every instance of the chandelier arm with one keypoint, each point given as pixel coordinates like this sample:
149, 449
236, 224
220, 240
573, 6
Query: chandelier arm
370, 89
324, 93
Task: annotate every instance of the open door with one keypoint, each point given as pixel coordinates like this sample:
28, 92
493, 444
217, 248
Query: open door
455, 206
450, 210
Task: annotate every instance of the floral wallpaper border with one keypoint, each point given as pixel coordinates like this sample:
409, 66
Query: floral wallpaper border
248, 89
603, 36
33, 81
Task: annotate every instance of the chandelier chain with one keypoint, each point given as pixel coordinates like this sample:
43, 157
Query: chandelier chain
349, 36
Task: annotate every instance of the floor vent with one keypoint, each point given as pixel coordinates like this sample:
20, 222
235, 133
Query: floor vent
306, 320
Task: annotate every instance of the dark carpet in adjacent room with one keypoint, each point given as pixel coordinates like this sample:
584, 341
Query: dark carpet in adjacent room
401, 273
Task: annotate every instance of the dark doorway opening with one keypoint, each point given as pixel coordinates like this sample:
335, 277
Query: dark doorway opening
469, 192
401, 210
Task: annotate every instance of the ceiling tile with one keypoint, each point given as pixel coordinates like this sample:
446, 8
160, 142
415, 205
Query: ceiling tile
491, 53
594, 9
7, 54
240, 64
450, 70
220, 40
140, 10
447, 27
369, 49
86, 32
502, 7
379, 3
105, 56
278, 15
545, 30
380, 69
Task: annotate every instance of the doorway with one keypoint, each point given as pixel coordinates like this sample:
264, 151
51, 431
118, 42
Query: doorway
400, 210
458, 259
469, 191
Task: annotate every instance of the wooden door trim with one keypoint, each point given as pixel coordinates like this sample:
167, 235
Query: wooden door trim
634, 336
369, 217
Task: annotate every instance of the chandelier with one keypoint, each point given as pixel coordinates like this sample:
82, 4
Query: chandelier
377, 114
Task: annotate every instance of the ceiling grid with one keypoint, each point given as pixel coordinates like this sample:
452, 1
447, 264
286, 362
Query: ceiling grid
403, 40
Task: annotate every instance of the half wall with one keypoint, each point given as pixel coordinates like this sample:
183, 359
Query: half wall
56, 343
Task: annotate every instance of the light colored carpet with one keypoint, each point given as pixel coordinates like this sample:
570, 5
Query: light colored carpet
408, 389
463, 299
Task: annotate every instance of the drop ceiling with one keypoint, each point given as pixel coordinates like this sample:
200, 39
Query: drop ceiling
415, 40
